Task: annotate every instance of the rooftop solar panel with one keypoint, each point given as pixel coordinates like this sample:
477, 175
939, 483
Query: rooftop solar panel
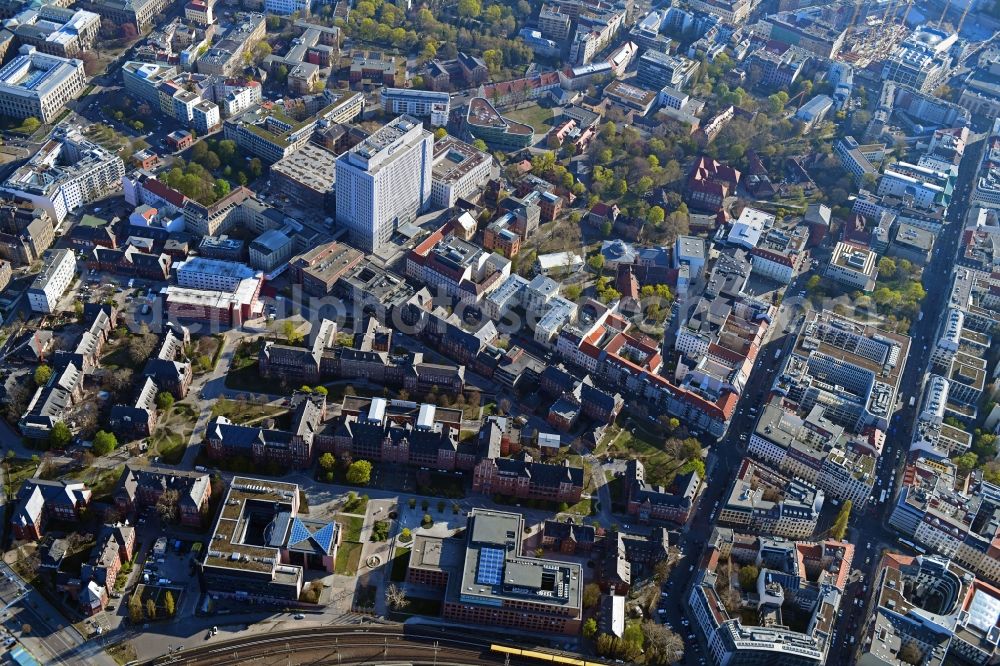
299, 532
490, 570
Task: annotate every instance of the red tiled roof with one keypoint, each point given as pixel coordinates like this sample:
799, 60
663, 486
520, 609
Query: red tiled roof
168, 194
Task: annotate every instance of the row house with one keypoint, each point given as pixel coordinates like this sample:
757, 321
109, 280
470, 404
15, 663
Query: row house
115, 546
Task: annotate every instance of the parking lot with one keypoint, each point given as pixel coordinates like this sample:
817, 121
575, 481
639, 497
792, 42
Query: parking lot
169, 563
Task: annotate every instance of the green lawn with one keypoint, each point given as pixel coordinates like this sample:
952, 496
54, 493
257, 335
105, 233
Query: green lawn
117, 359
172, 433
16, 471
348, 558
169, 445
581, 508
533, 115
660, 467
351, 525
245, 412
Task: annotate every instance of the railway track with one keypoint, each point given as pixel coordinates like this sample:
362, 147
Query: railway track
339, 645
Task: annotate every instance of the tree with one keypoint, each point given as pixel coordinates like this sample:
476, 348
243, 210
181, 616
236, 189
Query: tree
440, 133
663, 646
405, 534
886, 268
591, 595
42, 375
291, 332
359, 473
480, 145
168, 603
327, 462
135, 609
105, 442
632, 642
839, 528
29, 125
165, 400
655, 216
606, 228
60, 436
590, 628
221, 187
395, 596
748, 578
596, 263
150, 609
572, 291
140, 347
166, 505
911, 653
966, 462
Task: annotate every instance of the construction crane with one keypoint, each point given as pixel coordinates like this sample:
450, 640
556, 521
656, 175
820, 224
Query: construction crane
947, 6
968, 6
890, 11
909, 5
854, 17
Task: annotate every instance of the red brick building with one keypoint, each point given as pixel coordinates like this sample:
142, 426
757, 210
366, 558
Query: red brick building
40, 501
710, 183
141, 487
524, 479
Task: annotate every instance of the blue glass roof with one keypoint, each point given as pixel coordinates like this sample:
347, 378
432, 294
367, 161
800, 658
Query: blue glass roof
299, 532
323, 538
490, 568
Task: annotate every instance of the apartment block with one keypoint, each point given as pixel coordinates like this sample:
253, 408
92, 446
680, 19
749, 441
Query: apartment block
456, 268
67, 172
58, 271
811, 575
764, 501
937, 512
